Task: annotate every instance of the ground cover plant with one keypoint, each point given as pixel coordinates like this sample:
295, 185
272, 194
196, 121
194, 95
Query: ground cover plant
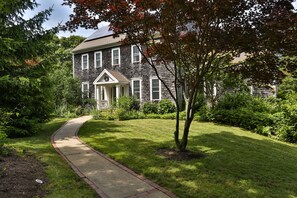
237, 163
61, 180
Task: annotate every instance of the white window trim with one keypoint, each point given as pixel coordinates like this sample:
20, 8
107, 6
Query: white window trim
112, 50
140, 87
82, 87
132, 57
151, 89
82, 62
95, 63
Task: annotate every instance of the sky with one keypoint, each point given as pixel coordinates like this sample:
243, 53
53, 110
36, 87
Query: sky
61, 14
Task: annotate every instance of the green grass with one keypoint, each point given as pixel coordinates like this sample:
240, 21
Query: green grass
238, 163
62, 181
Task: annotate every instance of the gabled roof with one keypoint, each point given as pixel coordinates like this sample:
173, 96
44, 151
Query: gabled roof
114, 77
100, 33
102, 38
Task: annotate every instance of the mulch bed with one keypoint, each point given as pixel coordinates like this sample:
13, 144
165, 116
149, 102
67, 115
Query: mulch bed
18, 177
172, 154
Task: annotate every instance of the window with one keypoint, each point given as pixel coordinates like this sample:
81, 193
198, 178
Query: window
85, 61
115, 56
155, 89
136, 88
136, 56
85, 89
98, 59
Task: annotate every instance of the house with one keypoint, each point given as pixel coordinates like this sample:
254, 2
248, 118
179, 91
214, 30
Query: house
108, 70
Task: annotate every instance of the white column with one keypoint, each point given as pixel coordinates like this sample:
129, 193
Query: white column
95, 92
118, 91
98, 97
251, 90
215, 89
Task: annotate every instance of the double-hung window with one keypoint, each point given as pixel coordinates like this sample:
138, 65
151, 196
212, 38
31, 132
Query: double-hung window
155, 89
85, 61
98, 59
115, 56
136, 88
85, 89
135, 54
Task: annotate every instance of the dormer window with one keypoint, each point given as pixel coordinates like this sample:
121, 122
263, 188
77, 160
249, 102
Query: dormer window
135, 54
85, 61
115, 56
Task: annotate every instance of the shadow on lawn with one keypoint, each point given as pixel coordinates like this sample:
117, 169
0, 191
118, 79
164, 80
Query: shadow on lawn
235, 166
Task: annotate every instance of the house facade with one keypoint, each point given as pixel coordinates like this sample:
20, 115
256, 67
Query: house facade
108, 70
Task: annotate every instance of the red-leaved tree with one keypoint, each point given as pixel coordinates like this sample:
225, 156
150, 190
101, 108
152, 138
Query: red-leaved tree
194, 38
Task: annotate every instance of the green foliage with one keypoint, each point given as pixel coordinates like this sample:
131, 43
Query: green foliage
166, 106
150, 108
200, 102
96, 114
66, 89
3, 140
25, 61
63, 111
128, 103
21, 127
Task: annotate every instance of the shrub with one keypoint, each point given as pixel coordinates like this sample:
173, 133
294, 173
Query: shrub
150, 108
96, 114
170, 116
128, 103
64, 111
122, 114
21, 127
166, 106
205, 114
2, 140
200, 102
242, 110
153, 116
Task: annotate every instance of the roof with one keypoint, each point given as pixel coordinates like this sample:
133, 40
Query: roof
102, 32
102, 38
118, 75
115, 77
98, 44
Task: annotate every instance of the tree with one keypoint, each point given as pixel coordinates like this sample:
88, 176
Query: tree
24, 83
192, 38
66, 89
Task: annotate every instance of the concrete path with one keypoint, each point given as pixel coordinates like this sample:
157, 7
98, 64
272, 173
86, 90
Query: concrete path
107, 177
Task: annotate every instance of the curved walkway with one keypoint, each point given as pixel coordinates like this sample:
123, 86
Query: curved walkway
107, 177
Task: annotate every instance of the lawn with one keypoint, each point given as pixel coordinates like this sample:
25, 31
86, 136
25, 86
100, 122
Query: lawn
238, 163
62, 181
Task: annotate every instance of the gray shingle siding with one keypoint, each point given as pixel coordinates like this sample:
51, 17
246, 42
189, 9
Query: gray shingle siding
126, 67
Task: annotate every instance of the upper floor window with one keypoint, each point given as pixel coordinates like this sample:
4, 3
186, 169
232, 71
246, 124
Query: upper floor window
98, 59
115, 56
85, 61
135, 54
85, 89
155, 89
136, 88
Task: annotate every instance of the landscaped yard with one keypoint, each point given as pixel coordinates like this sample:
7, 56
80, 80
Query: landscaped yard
62, 181
238, 163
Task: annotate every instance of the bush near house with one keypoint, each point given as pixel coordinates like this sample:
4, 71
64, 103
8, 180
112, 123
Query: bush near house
272, 117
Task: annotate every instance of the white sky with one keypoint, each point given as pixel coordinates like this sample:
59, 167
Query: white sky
61, 14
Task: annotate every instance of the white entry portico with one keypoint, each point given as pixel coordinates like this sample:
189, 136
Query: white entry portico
109, 86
